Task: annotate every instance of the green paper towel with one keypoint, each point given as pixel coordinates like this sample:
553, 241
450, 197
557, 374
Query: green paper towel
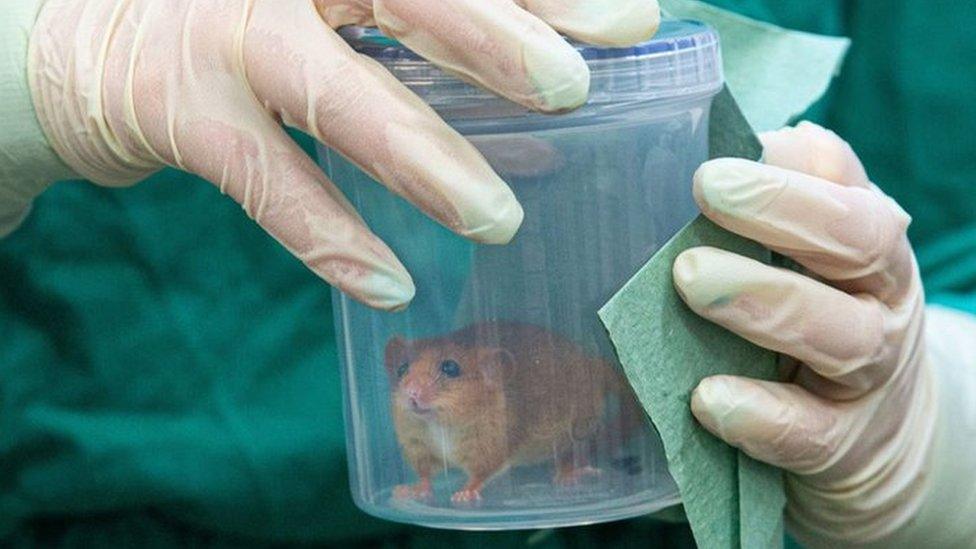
775, 74
761, 495
729, 134
730, 499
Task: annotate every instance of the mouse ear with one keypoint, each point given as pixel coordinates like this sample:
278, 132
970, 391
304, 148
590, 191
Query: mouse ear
497, 357
494, 362
397, 352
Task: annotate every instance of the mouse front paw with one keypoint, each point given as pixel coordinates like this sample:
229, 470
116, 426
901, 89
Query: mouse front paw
571, 476
421, 490
466, 496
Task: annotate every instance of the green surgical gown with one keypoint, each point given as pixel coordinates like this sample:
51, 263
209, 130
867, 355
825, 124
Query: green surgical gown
168, 373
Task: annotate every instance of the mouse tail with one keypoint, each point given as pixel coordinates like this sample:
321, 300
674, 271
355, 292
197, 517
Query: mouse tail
628, 417
625, 408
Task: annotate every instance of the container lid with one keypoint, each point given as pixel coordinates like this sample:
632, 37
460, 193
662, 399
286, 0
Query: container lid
683, 60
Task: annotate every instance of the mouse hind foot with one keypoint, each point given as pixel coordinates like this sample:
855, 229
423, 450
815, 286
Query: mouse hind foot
420, 490
569, 475
470, 493
573, 464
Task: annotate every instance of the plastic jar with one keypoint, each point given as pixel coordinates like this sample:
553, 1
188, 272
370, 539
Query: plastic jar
494, 401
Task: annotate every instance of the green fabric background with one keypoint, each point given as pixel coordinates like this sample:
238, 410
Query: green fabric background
168, 374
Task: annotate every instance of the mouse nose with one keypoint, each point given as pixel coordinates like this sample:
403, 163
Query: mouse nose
416, 399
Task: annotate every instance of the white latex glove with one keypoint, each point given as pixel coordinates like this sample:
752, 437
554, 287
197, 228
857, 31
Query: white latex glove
868, 429
125, 87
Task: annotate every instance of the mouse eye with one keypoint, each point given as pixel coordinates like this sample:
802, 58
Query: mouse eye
402, 370
450, 368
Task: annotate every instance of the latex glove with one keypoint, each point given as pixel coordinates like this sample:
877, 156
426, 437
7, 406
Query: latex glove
125, 87
864, 428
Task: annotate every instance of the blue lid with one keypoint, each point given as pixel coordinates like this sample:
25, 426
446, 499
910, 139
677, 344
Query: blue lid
675, 35
682, 61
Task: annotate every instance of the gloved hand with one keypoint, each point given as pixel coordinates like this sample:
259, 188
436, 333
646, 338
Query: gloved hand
123, 88
873, 426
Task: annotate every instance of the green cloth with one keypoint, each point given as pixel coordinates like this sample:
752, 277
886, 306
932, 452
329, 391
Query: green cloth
774, 73
169, 373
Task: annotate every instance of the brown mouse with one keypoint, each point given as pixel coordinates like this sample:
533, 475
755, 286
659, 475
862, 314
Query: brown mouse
493, 396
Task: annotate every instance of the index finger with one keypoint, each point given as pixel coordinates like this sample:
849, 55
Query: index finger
502, 47
814, 150
354, 106
602, 22
854, 237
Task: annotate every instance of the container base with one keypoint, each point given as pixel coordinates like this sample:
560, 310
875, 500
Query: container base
536, 506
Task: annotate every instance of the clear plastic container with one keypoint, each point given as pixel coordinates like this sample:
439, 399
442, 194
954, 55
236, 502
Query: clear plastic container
494, 401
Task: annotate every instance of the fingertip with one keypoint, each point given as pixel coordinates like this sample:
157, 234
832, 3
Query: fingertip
498, 45
791, 145
741, 411
496, 226
703, 187
713, 403
694, 273
777, 423
388, 289
687, 269
489, 212
805, 129
638, 24
613, 23
559, 75
728, 186
444, 175
814, 150
618, 23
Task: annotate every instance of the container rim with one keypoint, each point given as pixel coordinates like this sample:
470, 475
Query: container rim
681, 62
673, 36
